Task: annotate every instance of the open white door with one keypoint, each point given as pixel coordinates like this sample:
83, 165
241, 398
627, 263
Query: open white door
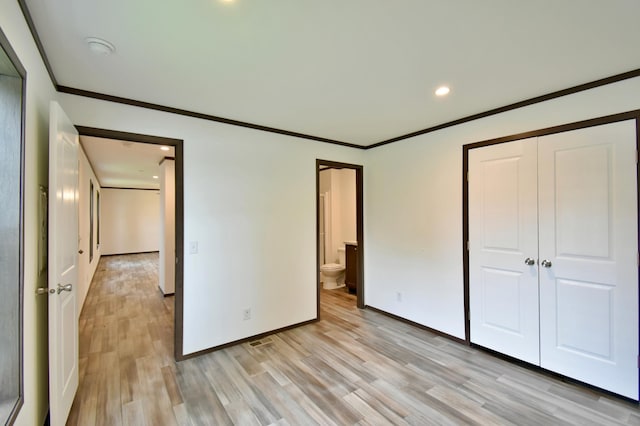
63, 271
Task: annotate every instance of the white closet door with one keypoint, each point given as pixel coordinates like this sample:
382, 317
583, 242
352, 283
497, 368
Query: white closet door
588, 233
503, 228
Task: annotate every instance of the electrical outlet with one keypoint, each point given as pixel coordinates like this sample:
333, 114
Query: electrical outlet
398, 297
246, 314
193, 247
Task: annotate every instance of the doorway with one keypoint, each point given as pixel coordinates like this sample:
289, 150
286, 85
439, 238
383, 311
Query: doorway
354, 250
177, 145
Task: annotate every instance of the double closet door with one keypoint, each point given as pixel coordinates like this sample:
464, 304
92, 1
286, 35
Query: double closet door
553, 253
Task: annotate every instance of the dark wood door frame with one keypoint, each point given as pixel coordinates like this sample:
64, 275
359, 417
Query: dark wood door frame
359, 227
629, 115
179, 215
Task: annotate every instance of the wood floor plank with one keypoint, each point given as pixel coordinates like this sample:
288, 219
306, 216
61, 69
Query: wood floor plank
353, 367
133, 414
283, 401
108, 405
367, 414
378, 415
169, 376
182, 415
387, 402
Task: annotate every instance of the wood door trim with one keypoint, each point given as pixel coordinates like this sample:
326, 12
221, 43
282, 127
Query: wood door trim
179, 211
629, 115
198, 115
360, 288
531, 101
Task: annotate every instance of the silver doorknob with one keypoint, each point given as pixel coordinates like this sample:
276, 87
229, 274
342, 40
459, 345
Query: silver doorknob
529, 261
62, 288
545, 263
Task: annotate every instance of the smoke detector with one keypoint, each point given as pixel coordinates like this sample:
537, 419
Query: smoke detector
100, 46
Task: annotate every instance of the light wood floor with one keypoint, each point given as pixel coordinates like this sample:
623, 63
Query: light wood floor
352, 367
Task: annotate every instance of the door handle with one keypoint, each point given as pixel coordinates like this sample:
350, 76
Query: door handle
80, 251
545, 263
62, 288
529, 261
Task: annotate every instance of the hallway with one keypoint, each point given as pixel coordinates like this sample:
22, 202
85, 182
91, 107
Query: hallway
352, 367
126, 345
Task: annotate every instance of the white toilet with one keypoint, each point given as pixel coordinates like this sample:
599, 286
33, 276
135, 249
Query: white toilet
333, 273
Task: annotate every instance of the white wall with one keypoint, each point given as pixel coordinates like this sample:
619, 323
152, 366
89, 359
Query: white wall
413, 205
347, 204
130, 221
341, 223
39, 92
167, 264
255, 226
343, 210
86, 267
324, 186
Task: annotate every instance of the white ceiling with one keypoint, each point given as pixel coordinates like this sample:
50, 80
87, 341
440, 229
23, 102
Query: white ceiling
122, 164
358, 71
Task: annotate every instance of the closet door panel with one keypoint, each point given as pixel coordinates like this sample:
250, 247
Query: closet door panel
503, 289
588, 254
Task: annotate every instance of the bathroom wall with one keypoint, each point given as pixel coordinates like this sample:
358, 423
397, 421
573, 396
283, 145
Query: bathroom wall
130, 221
341, 225
347, 204
325, 189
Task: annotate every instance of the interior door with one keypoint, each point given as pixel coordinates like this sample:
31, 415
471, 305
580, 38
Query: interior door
63, 271
503, 276
589, 256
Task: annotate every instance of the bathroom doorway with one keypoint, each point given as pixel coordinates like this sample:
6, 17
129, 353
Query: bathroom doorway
339, 229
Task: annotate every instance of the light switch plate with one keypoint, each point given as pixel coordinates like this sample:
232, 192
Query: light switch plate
193, 247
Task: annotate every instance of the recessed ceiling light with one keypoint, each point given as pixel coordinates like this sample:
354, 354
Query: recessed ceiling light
442, 91
100, 46
165, 148
155, 177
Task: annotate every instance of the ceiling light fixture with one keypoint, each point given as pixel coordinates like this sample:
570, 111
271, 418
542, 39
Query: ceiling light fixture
100, 46
165, 148
442, 91
155, 177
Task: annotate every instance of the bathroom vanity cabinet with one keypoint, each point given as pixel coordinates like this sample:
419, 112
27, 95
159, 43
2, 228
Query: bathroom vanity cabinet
351, 267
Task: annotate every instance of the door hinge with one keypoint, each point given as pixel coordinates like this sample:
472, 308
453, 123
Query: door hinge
468, 245
176, 260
